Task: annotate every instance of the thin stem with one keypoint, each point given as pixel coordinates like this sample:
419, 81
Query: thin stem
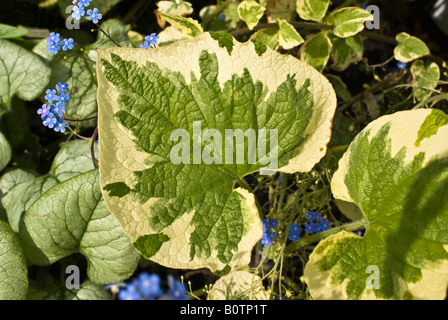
78, 135
92, 147
82, 57
107, 35
379, 65
78, 120
361, 224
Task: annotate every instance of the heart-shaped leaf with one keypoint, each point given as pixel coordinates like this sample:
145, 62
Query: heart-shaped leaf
409, 48
396, 171
186, 212
425, 77
72, 217
314, 10
348, 21
250, 12
22, 73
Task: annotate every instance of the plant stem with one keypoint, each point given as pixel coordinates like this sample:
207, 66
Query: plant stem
361, 224
92, 147
107, 35
78, 135
82, 57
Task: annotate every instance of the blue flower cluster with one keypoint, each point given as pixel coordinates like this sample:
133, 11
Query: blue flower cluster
54, 44
150, 41
148, 287
294, 232
78, 11
315, 223
269, 234
52, 112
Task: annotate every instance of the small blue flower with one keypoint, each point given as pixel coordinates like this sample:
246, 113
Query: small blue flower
67, 44
269, 235
64, 97
43, 111
221, 16
51, 96
49, 121
94, 15
145, 46
53, 38
177, 290
131, 292
58, 109
310, 227
78, 12
323, 226
401, 65
149, 286
53, 48
152, 38
84, 3
294, 231
63, 87
61, 125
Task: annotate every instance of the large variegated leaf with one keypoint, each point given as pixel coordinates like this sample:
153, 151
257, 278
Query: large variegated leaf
191, 214
396, 171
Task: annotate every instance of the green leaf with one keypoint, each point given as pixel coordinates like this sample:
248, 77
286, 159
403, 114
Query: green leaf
314, 10
425, 77
208, 221
79, 75
175, 7
409, 48
316, 50
51, 291
22, 73
73, 217
13, 271
15, 176
190, 27
10, 32
348, 21
239, 285
72, 159
117, 30
267, 36
21, 196
288, 36
5, 152
250, 12
401, 191
346, 51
